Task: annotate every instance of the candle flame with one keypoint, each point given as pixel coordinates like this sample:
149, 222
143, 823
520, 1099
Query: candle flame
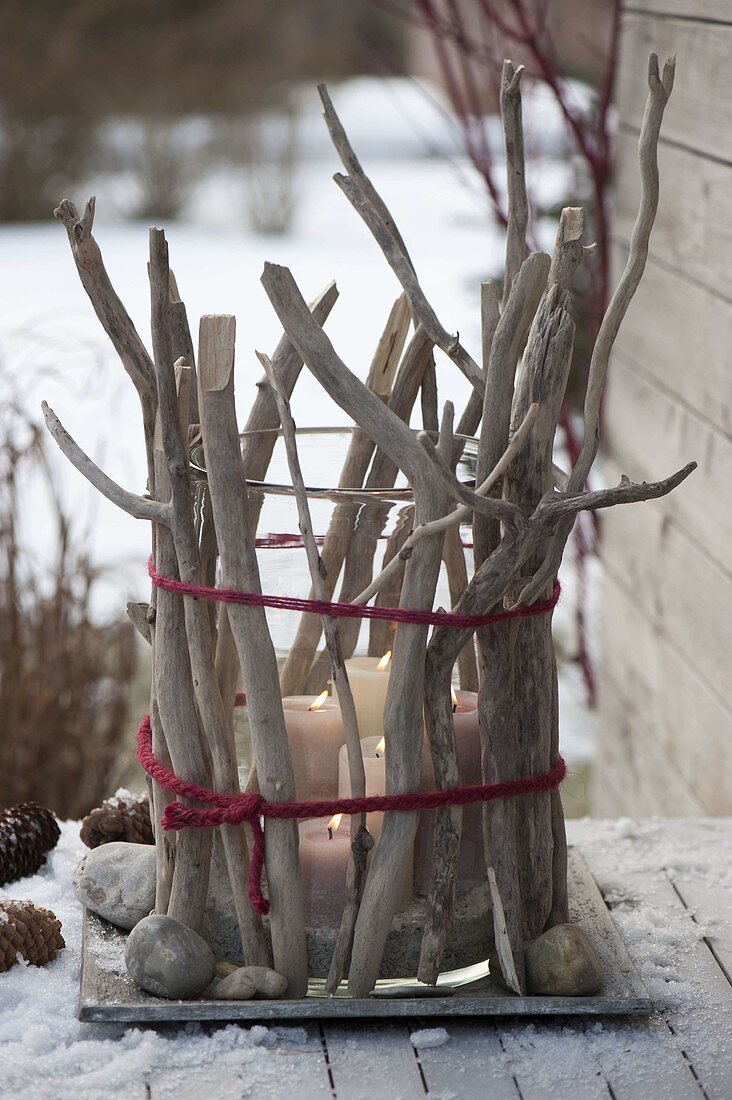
317, 703
453, 696
381, 747
384, 662
334, 823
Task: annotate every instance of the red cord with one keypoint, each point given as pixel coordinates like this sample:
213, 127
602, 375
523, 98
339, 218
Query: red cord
351, 610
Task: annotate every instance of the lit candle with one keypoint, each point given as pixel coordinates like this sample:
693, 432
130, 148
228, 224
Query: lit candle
471, 865
369, 680
314, 734
374, 766
324, 847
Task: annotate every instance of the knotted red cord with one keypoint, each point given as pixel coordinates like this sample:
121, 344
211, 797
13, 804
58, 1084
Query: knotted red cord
233, 809
351, 610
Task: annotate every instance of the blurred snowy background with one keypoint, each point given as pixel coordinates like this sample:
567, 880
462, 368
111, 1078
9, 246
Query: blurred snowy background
233, 191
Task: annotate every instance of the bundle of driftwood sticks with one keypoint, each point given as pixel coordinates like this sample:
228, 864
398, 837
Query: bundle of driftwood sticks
522, 509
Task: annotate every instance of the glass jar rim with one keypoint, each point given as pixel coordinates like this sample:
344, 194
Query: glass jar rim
355, 495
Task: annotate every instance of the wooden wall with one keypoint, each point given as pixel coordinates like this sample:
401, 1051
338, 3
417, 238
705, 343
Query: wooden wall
665, 744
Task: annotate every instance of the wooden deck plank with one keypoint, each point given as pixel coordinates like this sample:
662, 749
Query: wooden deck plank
553, 1061
472, 1065
693, 993
295, 1066
709, 906
374, 1060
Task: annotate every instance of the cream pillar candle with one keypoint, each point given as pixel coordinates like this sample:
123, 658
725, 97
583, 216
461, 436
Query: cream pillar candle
369, 680
324, 848
374, 766
315, 734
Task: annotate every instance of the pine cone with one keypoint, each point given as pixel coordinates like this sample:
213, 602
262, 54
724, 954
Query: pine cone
29, 931
118, 819
27, 832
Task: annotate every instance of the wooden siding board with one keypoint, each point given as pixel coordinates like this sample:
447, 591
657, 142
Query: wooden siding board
691, 725
693, 229
680, 335
649, 434
696, 10
699, 114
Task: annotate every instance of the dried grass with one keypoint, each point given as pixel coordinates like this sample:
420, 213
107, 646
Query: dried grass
64, 676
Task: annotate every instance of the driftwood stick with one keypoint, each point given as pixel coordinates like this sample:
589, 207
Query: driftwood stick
176, 725
182, 341
239, 569
137, 614
441, 654
293, 678
659, 90
517, 710
506, 345
556, 506
112, 314
352, 165
136, 506
361, 841
428, 394
403, 726
402, 268
367, 202
489, 317
263, 418
453, 556
377, 420
381, 633
208, 698
518, 207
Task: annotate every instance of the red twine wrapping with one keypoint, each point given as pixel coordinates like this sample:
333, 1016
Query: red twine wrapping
351, 610
235, 809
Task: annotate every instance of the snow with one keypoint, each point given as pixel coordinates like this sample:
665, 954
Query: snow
46, 1053
429, 1037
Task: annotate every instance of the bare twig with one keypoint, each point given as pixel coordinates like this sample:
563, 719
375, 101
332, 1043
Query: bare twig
404, 272
518, 207
239, 569
659, 90
136, 506
361, 841
208, 697
114, 318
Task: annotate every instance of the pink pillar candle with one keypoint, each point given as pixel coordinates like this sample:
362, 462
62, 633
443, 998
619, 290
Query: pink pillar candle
374, 766
315, 735
324, 847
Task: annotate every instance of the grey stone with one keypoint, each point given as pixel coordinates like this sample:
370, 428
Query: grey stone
248, 982
563, 963
168, 959
117, 881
